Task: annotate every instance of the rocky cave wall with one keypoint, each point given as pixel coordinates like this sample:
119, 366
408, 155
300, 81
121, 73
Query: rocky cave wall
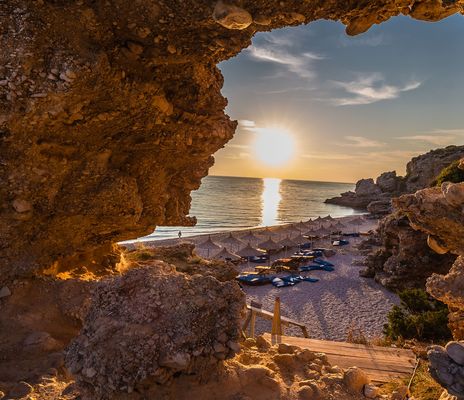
110, 111
404, 260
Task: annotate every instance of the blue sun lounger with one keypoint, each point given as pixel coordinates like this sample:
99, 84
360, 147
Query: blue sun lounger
323, 262
254, 279
316, 267
278, 282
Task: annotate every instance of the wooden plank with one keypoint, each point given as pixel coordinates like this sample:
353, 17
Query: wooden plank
382, 364
330, 345
269, 315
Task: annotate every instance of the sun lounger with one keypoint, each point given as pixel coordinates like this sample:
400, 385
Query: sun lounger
323, 262
278, 282
340, 242
316, 267
254, 279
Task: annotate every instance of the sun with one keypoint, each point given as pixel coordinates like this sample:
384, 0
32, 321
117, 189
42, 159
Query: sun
274, 146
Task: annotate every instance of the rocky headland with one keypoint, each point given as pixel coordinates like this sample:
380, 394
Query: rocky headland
421, 171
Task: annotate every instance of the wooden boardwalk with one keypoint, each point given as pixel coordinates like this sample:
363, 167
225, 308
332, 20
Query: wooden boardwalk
382, 364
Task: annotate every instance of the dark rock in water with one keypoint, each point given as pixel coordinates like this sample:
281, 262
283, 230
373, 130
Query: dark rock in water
404, 259
421, 172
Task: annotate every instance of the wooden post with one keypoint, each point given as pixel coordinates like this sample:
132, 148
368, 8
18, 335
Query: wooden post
252, 323
276, 321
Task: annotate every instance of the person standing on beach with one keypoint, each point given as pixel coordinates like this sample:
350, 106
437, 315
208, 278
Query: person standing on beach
179, 234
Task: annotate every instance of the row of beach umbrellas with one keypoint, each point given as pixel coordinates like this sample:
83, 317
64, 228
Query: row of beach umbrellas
242, 247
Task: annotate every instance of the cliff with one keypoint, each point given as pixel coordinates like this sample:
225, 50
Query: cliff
421, 171
438, 212
403, 260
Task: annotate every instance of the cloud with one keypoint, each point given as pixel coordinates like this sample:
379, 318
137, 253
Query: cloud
362, 142
368, 41
238, 156
370, 89
439, 137
276, 50
246, 123
238, 146
437, 140
329, 156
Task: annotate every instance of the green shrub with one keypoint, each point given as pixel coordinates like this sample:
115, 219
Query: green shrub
418, 317
450, 174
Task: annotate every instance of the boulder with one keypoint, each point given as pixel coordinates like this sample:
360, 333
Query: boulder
355, 378
367, 187
455, 351
371, 391
388, 182
138, 331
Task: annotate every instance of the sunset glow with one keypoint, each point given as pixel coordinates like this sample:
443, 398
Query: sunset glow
274, 147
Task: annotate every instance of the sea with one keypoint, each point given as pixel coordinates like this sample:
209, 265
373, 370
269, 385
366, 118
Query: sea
226, 203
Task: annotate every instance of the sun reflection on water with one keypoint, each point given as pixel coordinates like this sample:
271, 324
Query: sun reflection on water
270, 200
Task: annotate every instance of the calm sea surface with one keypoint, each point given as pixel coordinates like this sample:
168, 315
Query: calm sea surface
232, 203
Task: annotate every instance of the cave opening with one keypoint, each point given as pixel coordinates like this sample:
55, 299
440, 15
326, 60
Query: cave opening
110, 114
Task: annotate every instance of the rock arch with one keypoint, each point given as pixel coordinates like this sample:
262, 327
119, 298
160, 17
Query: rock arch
111, 110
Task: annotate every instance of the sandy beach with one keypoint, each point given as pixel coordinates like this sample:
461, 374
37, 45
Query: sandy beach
340, 302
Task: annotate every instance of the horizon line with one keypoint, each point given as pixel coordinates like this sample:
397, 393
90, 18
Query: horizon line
284, 179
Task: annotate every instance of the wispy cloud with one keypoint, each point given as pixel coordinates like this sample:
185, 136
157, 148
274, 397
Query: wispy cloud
329, 156
434, 139
276, 50
361, 141
368, 41
439, 137
238, 146
369, 89
246, 123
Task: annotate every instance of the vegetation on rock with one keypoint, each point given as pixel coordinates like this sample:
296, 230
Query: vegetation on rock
418, 316
451, 173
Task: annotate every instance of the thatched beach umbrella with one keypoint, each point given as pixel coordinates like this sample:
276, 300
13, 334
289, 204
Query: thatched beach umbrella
232, 241
287, 243
328, 218
224, 254
249, 251
339, 225
250, 237
209, 245
357, 221
291, 229
321, 231
269, 244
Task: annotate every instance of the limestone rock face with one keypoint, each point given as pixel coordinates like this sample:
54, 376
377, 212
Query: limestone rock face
388, 182
153, 323
404, 260
421, 172
430, 211
110, 111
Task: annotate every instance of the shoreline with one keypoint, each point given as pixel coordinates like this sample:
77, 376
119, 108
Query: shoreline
339, 304
196, 238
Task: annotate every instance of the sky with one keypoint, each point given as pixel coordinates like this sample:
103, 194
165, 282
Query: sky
315, 104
